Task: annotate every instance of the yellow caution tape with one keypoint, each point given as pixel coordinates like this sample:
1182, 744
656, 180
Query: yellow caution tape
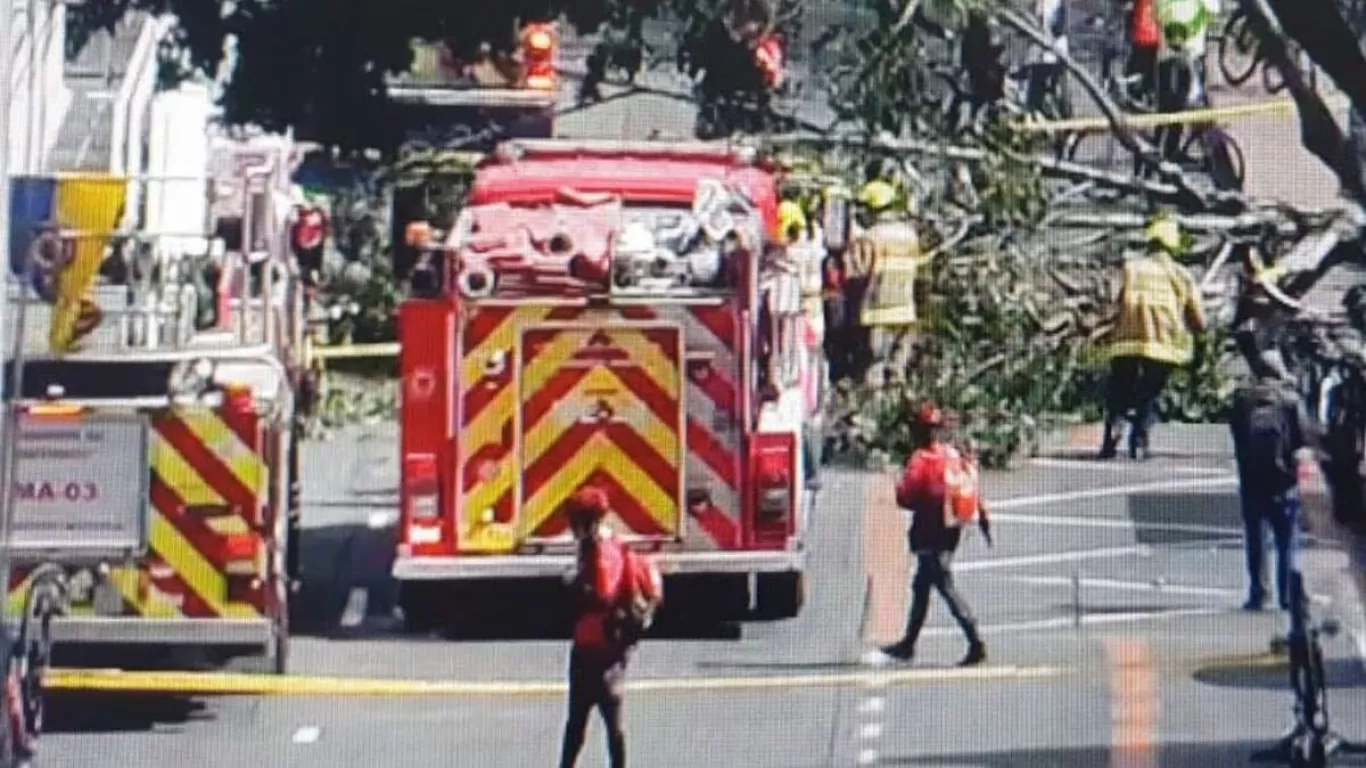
222, 683
1211, 115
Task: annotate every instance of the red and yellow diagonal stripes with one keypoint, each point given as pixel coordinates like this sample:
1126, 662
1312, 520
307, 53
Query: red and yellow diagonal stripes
497, 340
609, 412
206, 483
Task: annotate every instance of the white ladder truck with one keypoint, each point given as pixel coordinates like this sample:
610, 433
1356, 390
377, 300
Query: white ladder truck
153, 481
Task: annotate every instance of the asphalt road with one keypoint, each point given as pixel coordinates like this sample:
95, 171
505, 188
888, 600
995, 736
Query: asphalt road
1108, 603
1053, 693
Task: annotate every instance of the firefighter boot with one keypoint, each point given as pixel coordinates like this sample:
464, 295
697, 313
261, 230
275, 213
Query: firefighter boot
977, 653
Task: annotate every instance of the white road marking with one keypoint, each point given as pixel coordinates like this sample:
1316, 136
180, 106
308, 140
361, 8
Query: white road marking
867, 757
872, 705
1146, 586
380, 520
871, 731
1102, 493
1072, 556
307, 735
1129, 586
1063, 622
1094, 522
1083, 464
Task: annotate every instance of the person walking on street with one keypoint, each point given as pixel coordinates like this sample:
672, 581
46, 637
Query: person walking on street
1159, 314
597, 660
1269, 428
937, 482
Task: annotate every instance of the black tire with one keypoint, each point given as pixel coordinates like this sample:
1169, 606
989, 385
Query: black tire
1239, 50
779, 595
421, 605
34, 651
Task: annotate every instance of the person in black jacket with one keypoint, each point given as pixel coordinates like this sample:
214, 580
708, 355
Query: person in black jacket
1269, 428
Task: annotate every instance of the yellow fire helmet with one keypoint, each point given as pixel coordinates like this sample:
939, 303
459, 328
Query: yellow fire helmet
877, 195
1164, 232
790, 215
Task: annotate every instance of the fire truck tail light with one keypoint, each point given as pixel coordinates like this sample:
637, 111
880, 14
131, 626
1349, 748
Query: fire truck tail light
240, 553
774, 462
774, 470
422, 496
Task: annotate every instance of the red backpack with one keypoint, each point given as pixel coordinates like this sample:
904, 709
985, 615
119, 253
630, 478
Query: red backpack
640, 594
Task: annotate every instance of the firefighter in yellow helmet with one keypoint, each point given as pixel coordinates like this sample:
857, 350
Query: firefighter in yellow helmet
1159, 315
882, 262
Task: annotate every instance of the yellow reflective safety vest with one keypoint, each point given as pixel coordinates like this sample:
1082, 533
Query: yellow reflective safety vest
888, 255
1159, 309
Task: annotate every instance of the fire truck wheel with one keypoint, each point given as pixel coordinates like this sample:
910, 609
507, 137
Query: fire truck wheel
421, 609
780, 595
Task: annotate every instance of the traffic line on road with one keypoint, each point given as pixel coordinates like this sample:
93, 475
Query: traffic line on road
1047, 462
1102, 493
216, 683
1068, 622
1133, 703
1052, 558
1092, 522
1129, 586
307, 735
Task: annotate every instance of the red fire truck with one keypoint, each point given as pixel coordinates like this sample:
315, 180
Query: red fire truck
622, 315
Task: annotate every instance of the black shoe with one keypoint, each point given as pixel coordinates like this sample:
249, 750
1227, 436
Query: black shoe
977, 653
1254, 604
899, 651
1108, 451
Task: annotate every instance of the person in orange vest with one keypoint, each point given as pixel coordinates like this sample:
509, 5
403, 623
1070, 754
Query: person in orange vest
597, 660
931, 488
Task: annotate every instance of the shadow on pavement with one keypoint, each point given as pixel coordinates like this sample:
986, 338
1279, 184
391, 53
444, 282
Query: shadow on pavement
85, 712
1340, 673
1183, 755
348, 593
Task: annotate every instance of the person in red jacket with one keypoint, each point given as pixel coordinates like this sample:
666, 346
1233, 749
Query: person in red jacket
933, 539
597, 660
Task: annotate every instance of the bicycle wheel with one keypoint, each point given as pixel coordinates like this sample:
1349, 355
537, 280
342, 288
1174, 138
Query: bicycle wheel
1239, 50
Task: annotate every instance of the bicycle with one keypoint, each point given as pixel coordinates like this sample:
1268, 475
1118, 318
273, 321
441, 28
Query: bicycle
1241, 52
1311, 742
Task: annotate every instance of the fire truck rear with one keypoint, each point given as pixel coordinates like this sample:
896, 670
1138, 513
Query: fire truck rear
619, 315
151, 383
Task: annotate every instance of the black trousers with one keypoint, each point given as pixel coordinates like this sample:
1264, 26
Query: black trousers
933, 573
594, 683
1135, 385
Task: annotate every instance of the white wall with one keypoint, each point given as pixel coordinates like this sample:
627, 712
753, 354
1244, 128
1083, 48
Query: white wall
39, 96
178, 147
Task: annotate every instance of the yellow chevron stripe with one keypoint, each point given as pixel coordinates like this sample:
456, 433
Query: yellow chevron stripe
180, 477
197, 572
504, 337
241, 459
485, 495
227, 525
599, 454
661, 368
550, 361
660, 436
487, 427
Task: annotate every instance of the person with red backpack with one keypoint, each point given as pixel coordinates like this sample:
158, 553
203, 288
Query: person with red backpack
617, 592
939, 487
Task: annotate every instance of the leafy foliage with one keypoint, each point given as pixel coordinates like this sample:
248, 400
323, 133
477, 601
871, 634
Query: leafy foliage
319, 66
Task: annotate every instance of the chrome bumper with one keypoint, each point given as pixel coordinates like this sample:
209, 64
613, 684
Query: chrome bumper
131, 630
554, 566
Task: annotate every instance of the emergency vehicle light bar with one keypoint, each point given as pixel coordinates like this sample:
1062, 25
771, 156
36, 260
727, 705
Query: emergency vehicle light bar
520, 149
